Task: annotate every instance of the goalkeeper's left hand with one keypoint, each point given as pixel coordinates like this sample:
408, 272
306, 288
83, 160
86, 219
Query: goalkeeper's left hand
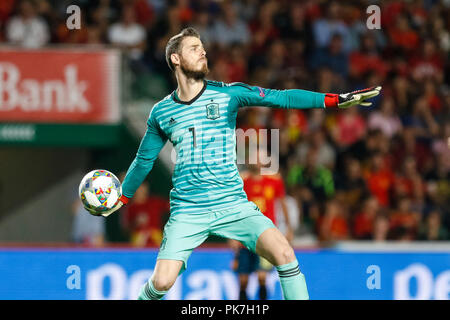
354, 98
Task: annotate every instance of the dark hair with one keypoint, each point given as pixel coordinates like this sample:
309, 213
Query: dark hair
174, 43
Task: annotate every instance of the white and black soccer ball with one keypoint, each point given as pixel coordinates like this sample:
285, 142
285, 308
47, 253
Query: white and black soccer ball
99, 191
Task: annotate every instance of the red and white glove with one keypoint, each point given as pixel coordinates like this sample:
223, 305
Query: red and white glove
120, 202
345, 100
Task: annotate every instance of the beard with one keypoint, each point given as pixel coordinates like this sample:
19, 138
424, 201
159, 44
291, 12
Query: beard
189, 72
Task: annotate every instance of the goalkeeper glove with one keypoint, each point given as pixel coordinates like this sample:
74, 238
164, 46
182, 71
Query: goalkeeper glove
118, 205
120, 202
345, 100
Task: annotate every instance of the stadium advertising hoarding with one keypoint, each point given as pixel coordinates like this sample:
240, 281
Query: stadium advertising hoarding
119, 273
67, 135
59, 86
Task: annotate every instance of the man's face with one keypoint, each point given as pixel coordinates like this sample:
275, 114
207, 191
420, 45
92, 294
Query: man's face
193, 62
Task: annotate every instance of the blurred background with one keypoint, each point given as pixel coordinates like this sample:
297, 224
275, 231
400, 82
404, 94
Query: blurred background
362, 184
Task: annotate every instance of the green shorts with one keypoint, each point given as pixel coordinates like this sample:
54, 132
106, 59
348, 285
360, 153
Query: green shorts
185, 232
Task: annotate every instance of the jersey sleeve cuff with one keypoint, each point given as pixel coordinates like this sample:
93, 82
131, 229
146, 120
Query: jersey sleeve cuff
124, 199
331, 100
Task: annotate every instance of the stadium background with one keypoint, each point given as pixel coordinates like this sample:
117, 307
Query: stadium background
365, 184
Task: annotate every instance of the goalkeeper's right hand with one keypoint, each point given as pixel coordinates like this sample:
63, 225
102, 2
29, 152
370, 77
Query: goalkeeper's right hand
120, 202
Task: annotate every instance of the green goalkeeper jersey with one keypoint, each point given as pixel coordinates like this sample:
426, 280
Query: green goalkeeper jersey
202, 132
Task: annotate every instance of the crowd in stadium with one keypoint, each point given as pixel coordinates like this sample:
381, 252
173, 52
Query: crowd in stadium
381, 172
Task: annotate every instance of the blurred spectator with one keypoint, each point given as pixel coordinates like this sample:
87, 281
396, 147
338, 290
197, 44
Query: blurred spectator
432, 229
367, 58
327, 81
402, 35
313, 184
237, 64
351, 184
230, 28
428, 64
421, 119
185, 12
263, 29
402, 94
380, 179
404, 223
219, 70
27, 29
143, 217
293, 212
87, 229
94, 36
296, 124
363, 149
441, 34
101, 14
410, 146
246, 9
144, 12
316, 140
295, 62
274, 60
350, 127
408, 182
296, 26
440, 146
332, 57
202, 24
438, 184
316, 119
6, 9
127, 34
333, 225
316, 180
45, 10
265, 191
431, 95
385, 119
381, 228
325, 27
363, 224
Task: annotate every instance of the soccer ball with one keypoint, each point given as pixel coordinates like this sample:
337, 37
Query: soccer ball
99, 191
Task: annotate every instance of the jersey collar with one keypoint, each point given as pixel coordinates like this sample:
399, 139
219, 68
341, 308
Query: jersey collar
175, 97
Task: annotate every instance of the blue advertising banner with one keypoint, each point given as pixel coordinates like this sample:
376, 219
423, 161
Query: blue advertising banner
119, 273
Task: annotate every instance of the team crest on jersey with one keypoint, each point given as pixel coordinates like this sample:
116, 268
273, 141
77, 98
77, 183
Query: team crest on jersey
212, 111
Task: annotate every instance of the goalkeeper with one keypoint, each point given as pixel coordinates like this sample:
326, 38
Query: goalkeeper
199, 119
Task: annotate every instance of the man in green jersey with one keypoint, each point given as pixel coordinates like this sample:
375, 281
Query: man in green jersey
199, 119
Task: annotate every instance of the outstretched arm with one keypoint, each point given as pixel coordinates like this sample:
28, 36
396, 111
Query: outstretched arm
300, 99
151, 144
286, 99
